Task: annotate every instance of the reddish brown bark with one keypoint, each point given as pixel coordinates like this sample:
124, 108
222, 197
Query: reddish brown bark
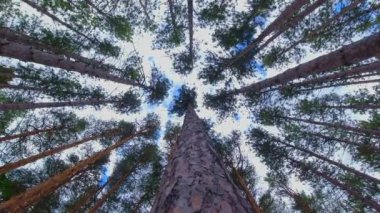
336, 126
344, 167
25, 106
344, 187
358, 51
195, 179
115, 187
340, 85
20, 202
10, 166
29, 133
29, 53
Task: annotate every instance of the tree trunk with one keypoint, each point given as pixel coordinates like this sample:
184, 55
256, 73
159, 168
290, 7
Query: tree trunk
372, 67
354, 106
275, 25
25, 106
343, 141
344, 167
352, 192
29, 133
44, 11
336, 126
20, 202
172, 14
49, 152
247, 191
20, 87
340, 84
115, 187
328, 23
191, 28
294, 21
29, 53
350, 54
195, 180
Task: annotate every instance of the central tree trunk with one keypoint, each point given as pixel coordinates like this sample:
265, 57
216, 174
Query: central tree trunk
195, 179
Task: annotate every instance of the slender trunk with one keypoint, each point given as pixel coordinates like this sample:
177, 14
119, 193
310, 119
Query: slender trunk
293, 22
29, 133
44, 11
343, 141
247, 192
336, 126
138, 205
145, 10
363, 106
344, 167
49, 152
298, 199
191, 28
115, 187
13, 36
344, 187
326, 24
20, 202
86, 198
275, 25
196, 180
350, 54
89, 2
372, 67
20, 87
340, 85
28, 53
25, 106
172, 14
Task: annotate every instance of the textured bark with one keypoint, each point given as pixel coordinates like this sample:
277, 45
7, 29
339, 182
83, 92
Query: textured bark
115, 187
293, 22
29, 133
29, 53
336, 126
275, 25
33, 195
44, 11
344, 187
372, 67
358, 51
49, 152
25, 106
344, 167
195, 179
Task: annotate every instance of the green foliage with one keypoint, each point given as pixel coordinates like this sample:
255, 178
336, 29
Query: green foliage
160, 86
129, 103
222, 102
121, 27
186, 97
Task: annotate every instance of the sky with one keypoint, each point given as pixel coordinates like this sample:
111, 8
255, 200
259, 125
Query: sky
159, 58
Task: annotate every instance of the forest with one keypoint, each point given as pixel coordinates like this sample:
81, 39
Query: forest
168, 106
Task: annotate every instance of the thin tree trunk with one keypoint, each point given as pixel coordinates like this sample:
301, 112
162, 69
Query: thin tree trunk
115, 187
44, 11
344, 167
49, 152
172, 14
352, 192
195, 180
33, 195
247, 192
145, 10
20, 87
363, 106
138, 205
336, 126
372, 67
275, 25
29, 133
340, 84
293, 22
350, 54
191, 28
25, 106
13, 36
28, 53
343, 141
